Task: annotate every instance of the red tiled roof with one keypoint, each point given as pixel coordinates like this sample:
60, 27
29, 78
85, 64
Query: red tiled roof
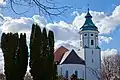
58, 54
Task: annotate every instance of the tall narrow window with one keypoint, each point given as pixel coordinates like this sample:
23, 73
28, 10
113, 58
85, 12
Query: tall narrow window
67, 74
92, 52
76, 73
92, 42
92, 61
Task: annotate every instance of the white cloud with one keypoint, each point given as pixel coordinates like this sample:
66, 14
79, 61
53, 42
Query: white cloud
104, 39
22, 24
68, 44
2, 2
16, 25
105, 23
108, 52
75, 13
40, 20
63, 31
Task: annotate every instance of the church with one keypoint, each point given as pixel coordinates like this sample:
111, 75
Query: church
86, 63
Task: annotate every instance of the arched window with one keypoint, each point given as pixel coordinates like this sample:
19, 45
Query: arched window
92, 42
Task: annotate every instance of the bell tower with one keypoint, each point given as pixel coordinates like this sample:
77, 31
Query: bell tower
90, 49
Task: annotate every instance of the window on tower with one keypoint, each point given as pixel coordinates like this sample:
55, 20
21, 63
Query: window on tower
92, 42
92, 52
85, 34
92, 60
91, 34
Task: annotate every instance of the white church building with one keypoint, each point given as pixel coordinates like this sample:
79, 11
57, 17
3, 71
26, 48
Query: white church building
86, 63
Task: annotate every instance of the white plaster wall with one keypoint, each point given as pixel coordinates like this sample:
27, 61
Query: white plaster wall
92, 66
97, 44
86, 40
71, 68
92, 60
81, 53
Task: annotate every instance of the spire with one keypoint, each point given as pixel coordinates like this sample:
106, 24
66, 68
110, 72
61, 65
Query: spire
88, 14
89, 25
88, 9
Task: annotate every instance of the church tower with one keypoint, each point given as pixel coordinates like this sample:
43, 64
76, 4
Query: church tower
90, 49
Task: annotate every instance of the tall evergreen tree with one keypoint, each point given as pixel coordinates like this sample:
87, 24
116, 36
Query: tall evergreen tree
35, 52
52, 65
15, 56
9, 48
14, 44
22, 57
41, 54
45, 54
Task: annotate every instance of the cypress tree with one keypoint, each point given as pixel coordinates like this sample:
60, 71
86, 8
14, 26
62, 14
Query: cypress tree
22, 57
52, 65
15, 55
45, 54
41, 54
32, 52
14, 44
35, 53
9, 47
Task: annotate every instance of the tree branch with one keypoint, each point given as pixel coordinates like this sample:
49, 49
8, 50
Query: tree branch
49, 8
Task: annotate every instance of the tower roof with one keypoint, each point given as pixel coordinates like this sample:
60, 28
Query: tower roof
88, 25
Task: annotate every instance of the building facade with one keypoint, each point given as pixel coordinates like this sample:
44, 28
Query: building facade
85, 64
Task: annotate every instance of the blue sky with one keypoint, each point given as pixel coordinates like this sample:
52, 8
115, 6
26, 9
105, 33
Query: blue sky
105, 14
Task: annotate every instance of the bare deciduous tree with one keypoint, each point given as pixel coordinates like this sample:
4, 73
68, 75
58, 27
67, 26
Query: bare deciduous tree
46, 7
110, 68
